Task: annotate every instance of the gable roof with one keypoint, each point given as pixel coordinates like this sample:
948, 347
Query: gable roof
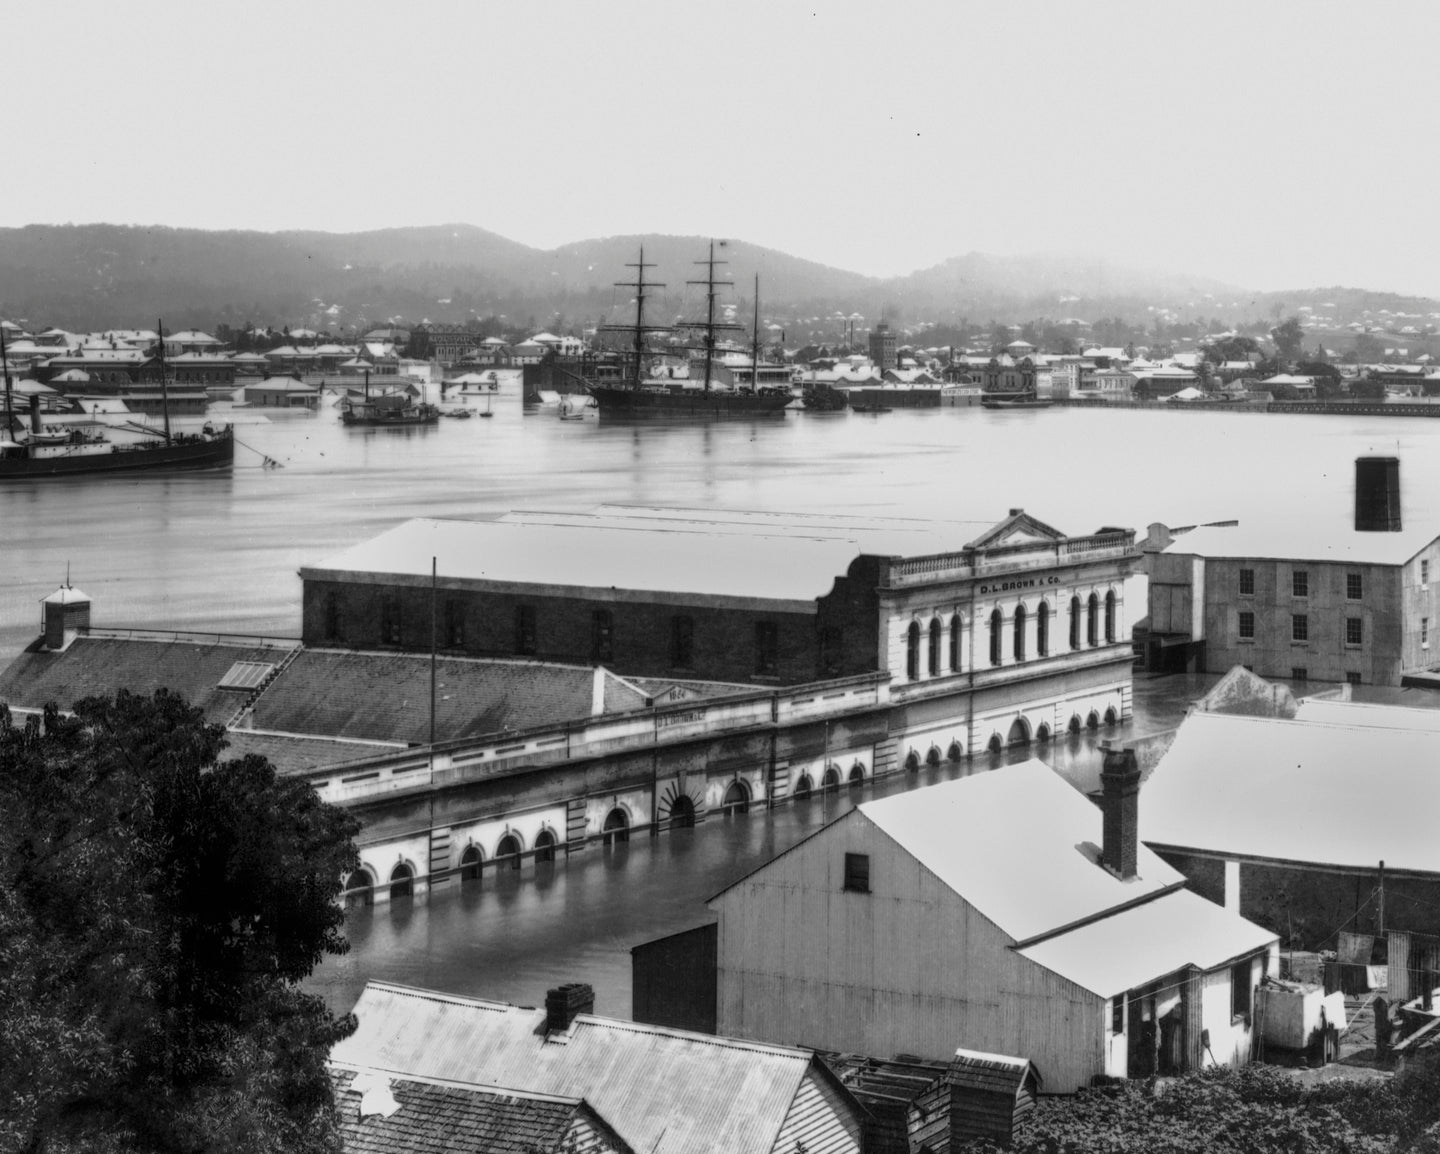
665, 1091
1020, 844
435, 1117
1303, 783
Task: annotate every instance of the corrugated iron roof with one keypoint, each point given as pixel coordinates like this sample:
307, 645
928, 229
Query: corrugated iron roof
1291, 790
665, 1091
1316, 536
1020, 844
1147, 942
1333, 712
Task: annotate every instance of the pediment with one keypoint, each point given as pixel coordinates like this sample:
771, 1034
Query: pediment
1017, 529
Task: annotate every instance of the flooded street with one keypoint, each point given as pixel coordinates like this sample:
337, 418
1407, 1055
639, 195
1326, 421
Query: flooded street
220, 552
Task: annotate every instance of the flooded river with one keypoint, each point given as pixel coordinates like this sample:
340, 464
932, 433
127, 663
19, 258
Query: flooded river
220, 552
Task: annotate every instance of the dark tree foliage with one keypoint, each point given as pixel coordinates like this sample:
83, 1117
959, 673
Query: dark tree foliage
157, 912
1288, 337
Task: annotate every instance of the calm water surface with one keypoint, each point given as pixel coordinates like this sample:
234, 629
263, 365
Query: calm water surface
221, 552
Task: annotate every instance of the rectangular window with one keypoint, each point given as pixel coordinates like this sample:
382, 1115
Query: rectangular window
767, 647
1299, 673
1352, 679
1300, 583
1299, 627
1117, 1014
1354, 587
454, 624
525, 630
1354, 631
1247, 582
390, 619
682, 642
1240, 989
1425, 633
857, 873
1424, 572
602, 634
1247, 626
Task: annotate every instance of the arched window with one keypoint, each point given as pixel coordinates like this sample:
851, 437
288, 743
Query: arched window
544, 846
997, 627
831, 780
1111, 717
955, 643
682, 813
1019, 627
1074, 623
1042, 630
507, 853
955, 753
1092, 721
1110, 616
1042, 733
1092, 621
857, 775
936, 629
1019, 732
470, 862
912, 762
932, 758
402, 882
358, 889
912, 652
737, 799
995, 745
803, 787
616, 828
1074, 726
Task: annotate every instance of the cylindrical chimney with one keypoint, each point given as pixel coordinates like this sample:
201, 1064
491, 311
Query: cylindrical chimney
1377, 494
1120, 805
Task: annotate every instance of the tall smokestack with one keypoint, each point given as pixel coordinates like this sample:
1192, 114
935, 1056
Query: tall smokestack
1377, 495
1120, 804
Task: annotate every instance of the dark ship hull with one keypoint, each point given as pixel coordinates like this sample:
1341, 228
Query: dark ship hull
202, 453
627, 401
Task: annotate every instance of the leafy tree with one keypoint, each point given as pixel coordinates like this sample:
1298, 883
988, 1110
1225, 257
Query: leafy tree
1231, 349
1288, 338
157, 913
1327, 378
1368, 349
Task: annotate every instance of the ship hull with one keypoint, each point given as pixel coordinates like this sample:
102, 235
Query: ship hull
895, 397
617, 401
210, 454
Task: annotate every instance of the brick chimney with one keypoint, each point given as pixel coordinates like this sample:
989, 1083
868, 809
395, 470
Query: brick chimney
564, 1002
1120, 805
1377, 494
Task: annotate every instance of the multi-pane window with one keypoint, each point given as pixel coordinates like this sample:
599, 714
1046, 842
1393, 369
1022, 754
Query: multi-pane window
1300, 583
1299, 627
857, 873
1247, 626
1354, 587
682, 642
1354, 631
1299, 673
525, 630
602, 635
1424, 572
1247, 582
1425, 631
1352, 679
767, 647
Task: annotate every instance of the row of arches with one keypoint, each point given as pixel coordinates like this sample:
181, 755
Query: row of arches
1093, 618
1019, 733
830, 781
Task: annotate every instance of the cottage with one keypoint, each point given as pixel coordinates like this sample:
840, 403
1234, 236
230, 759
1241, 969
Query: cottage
991, 913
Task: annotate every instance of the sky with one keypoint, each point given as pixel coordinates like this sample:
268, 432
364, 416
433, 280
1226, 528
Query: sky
1270, 144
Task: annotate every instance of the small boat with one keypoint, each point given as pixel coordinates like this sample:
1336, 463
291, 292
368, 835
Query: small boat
388, 410
570, 411
458, 414
1021, 399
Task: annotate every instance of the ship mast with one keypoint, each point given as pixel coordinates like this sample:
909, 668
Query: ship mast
709, 324
9, 403
639, 328
164, 390
755, 337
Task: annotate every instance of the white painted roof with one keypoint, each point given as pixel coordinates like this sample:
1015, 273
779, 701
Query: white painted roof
1333, 711
1305, 538
1020, 844
1136, 946
1302, 791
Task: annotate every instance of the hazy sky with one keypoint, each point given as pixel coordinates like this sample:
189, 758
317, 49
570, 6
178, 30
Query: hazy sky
1270, 144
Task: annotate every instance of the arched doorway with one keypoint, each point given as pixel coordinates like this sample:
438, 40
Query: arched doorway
1074, 726
912, 762
545, 846
682, 812
402, 882
857, 775
995, 745
737, 799
1042, 733
507, 853
1019, 732
1110, 717
1092, 721
956, 753
831, 780
359, 889
932, 758
616, 828
470, 863
803, 787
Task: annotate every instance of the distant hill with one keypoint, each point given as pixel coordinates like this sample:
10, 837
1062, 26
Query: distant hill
101, 275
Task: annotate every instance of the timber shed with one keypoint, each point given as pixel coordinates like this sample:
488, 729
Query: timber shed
991, 1095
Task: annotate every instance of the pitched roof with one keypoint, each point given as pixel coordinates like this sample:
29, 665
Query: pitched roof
666, 1091
294, 756
98, 665
1331, 711
1313, 536
1302, 785
386, 696
1019, 844
435, 1117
